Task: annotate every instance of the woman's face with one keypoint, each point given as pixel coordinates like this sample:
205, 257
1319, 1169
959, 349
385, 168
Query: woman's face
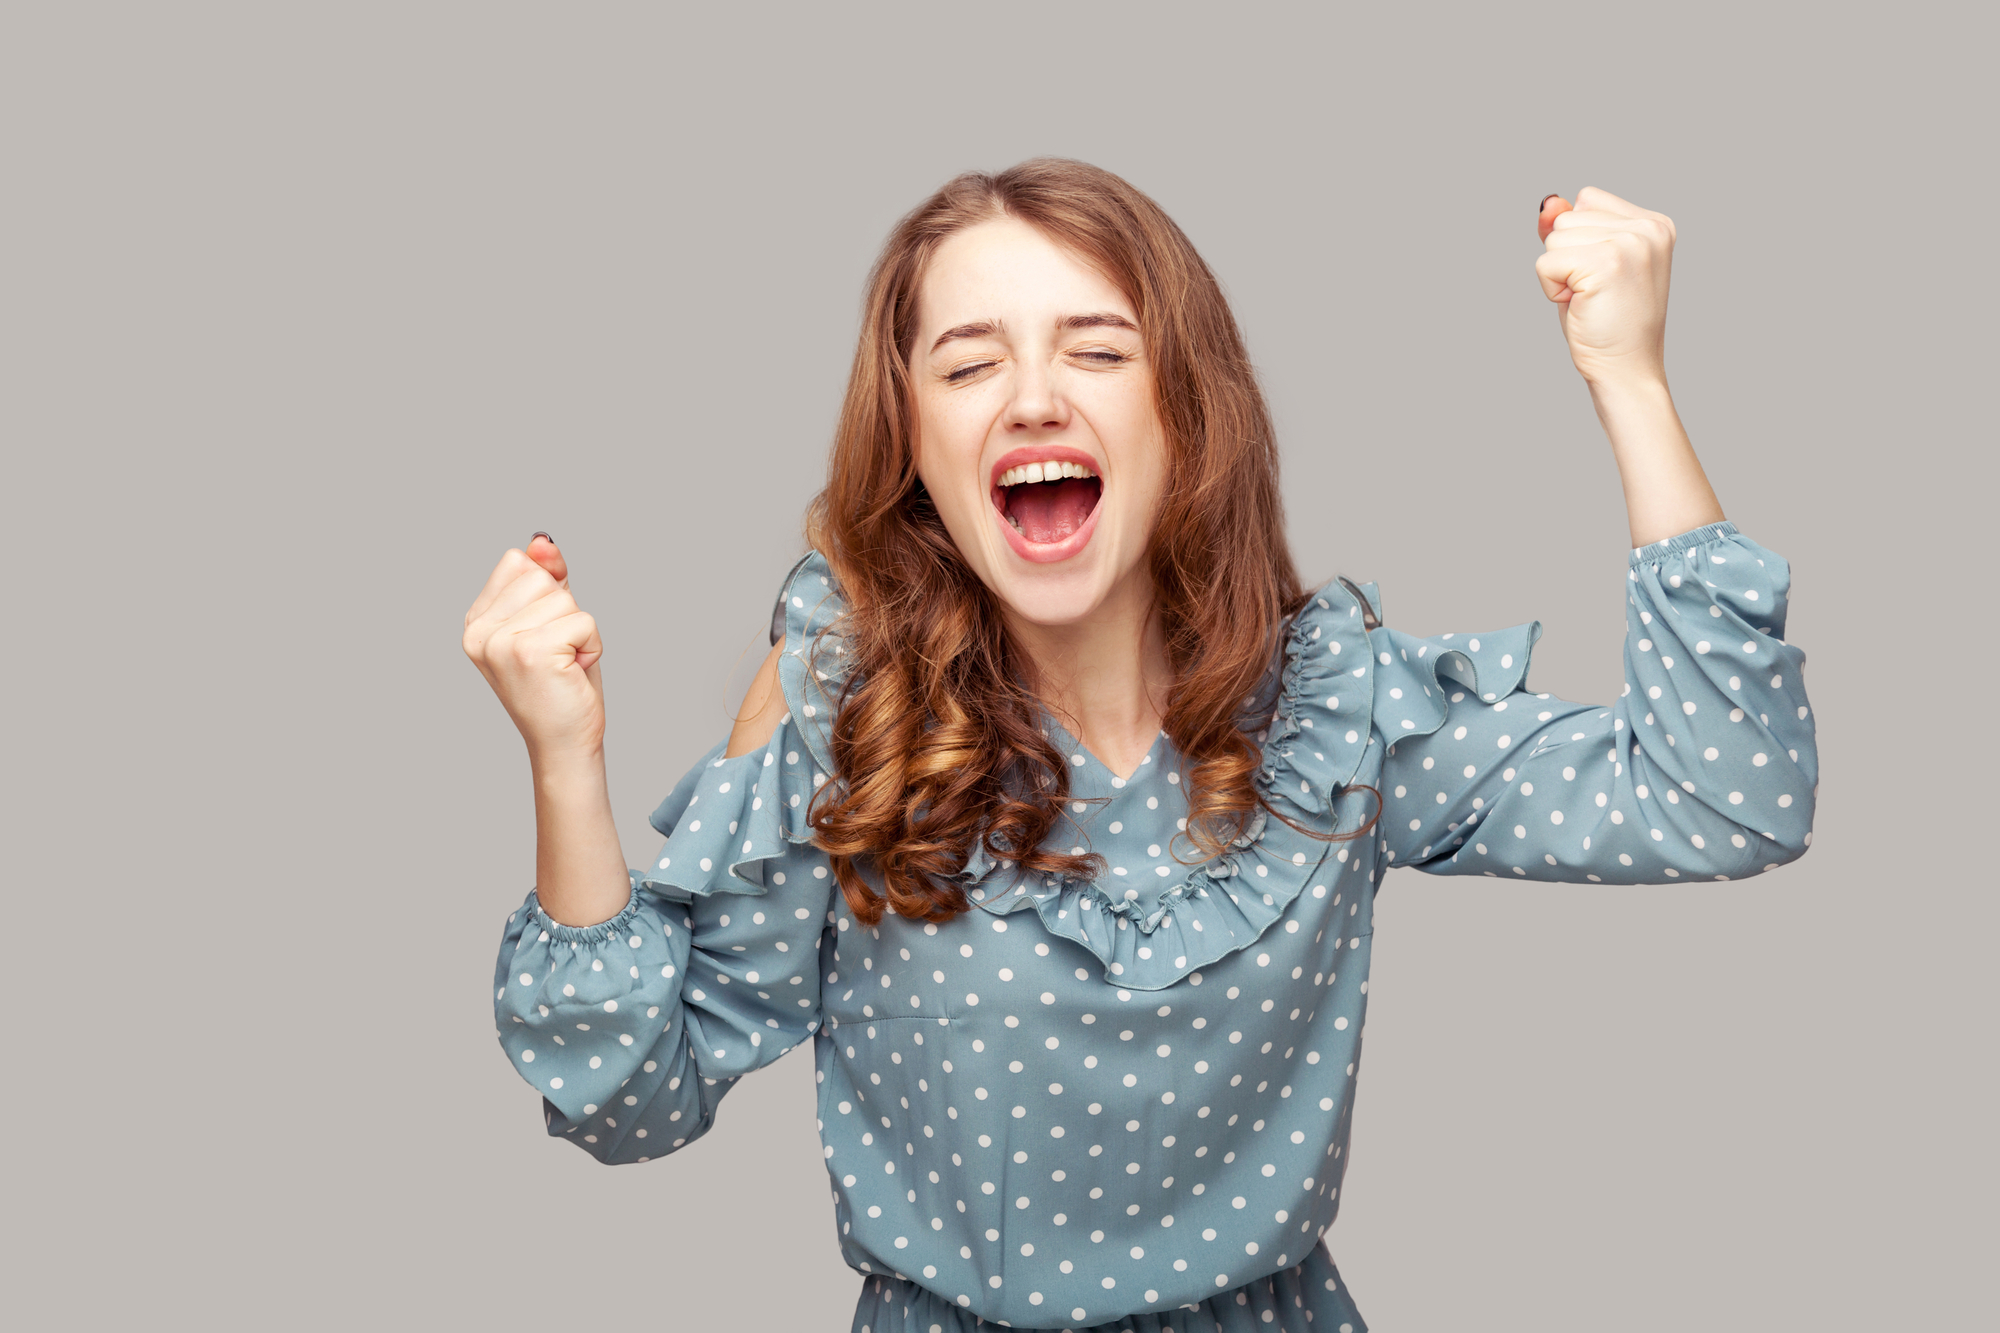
1036, 431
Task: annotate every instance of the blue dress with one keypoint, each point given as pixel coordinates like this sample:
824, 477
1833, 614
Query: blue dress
1124, 1104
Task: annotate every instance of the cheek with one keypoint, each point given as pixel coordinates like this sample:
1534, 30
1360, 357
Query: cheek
947, 459
1142, 504
1143, 456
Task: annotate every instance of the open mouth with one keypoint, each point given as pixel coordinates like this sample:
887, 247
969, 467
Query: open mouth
1048, 501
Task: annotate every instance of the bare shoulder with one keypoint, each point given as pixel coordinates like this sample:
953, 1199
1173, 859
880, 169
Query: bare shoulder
763, 707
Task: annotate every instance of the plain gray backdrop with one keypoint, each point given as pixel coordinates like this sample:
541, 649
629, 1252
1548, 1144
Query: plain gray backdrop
311, 311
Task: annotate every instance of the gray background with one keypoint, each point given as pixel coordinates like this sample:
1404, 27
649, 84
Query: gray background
309, 312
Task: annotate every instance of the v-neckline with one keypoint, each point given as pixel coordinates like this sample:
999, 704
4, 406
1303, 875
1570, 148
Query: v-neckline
1118, 780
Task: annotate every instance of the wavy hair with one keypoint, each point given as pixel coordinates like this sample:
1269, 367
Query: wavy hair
937, 740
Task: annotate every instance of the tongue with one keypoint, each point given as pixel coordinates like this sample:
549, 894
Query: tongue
1050, 511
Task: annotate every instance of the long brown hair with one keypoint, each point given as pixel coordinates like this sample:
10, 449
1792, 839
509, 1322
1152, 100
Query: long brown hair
938, 735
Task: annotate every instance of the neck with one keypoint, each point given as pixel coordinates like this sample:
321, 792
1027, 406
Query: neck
1105, 678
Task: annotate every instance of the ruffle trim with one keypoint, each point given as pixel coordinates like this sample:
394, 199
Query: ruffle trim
729, 817
1417, 677
813, 670
1314, 736
1313, 741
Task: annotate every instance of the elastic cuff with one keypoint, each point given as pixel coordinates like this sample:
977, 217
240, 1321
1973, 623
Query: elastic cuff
597, 934
1686, 541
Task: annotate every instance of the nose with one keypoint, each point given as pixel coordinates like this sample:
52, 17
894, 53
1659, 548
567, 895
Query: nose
1037, 404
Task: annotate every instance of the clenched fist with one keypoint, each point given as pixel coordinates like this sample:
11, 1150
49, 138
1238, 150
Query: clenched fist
1606, 268
539, 652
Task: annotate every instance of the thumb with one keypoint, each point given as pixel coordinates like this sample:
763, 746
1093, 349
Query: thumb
1553, 206
542, 549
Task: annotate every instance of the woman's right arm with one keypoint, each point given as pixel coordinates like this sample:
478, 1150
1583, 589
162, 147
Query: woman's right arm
634, 1029
540, 652
634, 1000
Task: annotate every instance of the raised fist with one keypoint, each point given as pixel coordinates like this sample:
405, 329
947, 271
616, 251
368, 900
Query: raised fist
1606, 267
538, 651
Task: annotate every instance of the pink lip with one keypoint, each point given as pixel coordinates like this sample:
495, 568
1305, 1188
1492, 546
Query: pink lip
1060, 453
1053, 551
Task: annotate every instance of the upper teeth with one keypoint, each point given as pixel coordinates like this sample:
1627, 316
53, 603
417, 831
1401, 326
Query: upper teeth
1049, 471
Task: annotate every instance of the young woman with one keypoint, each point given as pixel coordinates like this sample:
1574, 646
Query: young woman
1057, 813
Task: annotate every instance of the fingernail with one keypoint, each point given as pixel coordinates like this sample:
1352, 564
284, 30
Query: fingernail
551, 540
1545, 203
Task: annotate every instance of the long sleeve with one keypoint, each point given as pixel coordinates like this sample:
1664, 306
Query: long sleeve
634, 1029
1704, 768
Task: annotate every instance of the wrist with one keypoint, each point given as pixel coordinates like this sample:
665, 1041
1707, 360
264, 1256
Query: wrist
1637, 387
1635, 408
569, 775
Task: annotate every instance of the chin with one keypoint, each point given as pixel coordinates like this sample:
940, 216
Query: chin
1058, 593
1053, 602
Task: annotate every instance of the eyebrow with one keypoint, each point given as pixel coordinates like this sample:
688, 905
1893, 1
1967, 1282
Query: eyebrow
987, 328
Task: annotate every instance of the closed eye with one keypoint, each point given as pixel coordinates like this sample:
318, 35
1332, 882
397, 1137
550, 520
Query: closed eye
1098, 355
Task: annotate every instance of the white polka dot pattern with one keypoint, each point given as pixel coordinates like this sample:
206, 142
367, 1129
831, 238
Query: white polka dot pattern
1125, 1104
1705, 768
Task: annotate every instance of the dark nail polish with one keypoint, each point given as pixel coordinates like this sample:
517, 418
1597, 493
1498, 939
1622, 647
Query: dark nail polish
531, 540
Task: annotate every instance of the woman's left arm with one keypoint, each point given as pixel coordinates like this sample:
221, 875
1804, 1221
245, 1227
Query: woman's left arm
1607, 267
1706, 765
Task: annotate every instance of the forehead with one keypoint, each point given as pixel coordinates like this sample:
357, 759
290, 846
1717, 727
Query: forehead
1007, 269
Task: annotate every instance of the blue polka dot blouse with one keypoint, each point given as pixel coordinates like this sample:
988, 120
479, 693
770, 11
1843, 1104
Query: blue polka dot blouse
1125, 1102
